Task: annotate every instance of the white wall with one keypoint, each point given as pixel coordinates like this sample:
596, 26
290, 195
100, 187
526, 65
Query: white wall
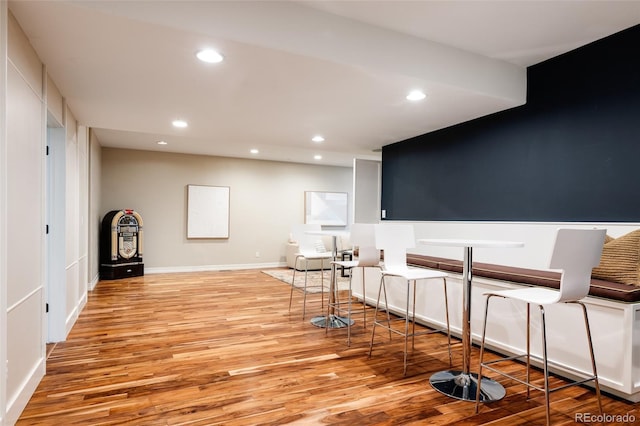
3, 209
76, 216
367, 175
266, 198
82, 227
93, 222
538, 238
25, 127
28, 95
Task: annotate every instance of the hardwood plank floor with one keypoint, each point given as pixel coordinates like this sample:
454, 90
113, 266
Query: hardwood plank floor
216, 348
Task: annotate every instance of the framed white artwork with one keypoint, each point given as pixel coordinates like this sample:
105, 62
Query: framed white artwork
325, 208
207, 211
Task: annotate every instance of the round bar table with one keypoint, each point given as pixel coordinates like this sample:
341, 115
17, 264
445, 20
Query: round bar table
331, 320
463, 384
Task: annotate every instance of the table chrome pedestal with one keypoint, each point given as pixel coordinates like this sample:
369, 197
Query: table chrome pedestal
463, 384
331, 320
334, 321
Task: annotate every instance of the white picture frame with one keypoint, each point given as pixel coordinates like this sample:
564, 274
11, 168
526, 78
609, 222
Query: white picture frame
207, 211
326, 208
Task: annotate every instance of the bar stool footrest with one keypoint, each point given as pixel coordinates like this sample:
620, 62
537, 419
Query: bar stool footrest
536, 359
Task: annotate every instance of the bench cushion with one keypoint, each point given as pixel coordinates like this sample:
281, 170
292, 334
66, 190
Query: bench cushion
599, 288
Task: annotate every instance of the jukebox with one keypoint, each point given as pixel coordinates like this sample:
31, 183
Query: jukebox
121, 245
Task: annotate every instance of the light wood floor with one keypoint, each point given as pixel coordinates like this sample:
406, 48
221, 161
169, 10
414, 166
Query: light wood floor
217, 348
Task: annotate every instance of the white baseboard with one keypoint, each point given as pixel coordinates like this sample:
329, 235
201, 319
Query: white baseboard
17, 403
94, 282
203, 268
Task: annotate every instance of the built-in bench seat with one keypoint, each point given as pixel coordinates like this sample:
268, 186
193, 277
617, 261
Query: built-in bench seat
599, 288
613, 303
614, 316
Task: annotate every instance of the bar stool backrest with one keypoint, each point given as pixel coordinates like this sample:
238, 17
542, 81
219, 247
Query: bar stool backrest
307, 242
363, 236
576, 252
394, 240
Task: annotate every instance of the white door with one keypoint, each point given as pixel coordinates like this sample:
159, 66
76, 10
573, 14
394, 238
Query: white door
55, 289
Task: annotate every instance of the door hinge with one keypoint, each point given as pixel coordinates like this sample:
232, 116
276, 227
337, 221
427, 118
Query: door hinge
47, 150
46, 308
46, 230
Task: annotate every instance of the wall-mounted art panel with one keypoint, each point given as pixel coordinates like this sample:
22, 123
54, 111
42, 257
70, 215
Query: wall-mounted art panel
325, 208
207, 211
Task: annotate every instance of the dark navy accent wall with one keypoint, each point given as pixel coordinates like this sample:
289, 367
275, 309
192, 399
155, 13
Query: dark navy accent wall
572, 153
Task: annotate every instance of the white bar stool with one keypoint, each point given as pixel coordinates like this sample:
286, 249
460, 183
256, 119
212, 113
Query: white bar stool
308, 249
576, 252
394, 240
362, 236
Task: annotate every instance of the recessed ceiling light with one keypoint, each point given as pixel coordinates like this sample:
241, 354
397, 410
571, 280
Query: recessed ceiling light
162, 143
254, 151
317, 138
317, 157
179, 123
209, 56
416, 95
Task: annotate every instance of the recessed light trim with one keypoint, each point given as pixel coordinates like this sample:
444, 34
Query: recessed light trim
209, 56
254, 151
317, 138
416, 95
181, 124
317, 157
162, 143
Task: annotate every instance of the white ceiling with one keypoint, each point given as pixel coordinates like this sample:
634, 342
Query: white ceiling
294, 69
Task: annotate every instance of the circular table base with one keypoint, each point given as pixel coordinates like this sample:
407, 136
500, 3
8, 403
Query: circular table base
334, 321
459, 385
